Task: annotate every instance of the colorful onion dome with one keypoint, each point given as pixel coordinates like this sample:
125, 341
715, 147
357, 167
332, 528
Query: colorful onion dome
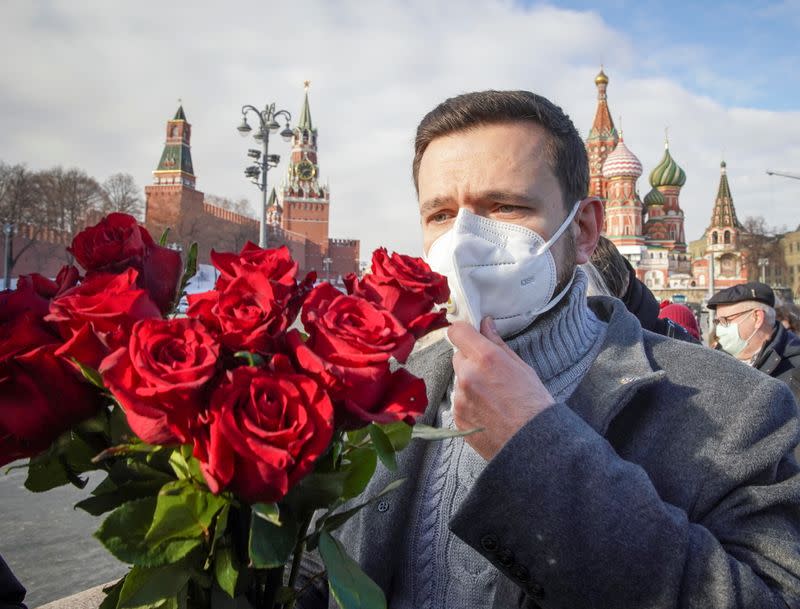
601, 78
667, 172
622, 162
654, 197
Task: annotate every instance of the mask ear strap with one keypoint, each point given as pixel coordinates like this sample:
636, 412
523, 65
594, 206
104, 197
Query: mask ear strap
555, 300
564, 226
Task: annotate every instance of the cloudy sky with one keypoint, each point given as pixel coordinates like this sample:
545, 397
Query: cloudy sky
90, 84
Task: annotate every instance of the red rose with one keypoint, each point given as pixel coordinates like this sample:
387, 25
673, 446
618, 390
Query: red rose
160, 377
257, 298
109, 305
350, 344
117, 243
407, 287
265, 431
277, 264
22, 312
41, 396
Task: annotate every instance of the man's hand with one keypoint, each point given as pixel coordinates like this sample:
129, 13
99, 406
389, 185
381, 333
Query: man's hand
494, 389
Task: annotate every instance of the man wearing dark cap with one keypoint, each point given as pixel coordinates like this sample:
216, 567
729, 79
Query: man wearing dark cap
747, 329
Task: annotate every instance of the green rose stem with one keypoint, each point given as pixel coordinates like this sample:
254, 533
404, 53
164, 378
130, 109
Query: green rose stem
297, 557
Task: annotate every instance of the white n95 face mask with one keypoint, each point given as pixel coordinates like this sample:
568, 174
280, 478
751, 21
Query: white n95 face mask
499, 269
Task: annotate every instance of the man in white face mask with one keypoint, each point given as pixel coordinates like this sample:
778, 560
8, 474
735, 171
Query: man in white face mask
612, 467
745, 325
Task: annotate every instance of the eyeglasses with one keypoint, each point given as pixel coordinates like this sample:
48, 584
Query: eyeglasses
724, 321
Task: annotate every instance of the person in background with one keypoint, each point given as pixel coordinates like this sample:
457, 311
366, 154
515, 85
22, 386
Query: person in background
681, 315
12, 594
621, 281
787, 314
746, 328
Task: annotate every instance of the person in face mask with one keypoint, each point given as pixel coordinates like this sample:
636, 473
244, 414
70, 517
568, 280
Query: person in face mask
608, 466
746, 328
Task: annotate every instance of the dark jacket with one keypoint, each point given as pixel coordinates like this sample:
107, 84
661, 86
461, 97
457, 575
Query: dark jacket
780, 358
640, 301
11, 591
666, 481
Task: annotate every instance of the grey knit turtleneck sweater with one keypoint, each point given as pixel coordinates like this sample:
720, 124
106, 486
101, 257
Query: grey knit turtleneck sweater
438, 570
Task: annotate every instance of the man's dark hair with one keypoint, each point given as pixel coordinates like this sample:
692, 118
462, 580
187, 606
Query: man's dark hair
564, 147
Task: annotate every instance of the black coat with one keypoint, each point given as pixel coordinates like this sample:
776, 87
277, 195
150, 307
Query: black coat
640, 301
11, 591
780, 358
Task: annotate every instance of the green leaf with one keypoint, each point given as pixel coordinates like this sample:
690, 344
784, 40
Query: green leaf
399, 434
163, 240
426, 432
334, 521
383, 446
359, 471
253, 359
226, 571
183, 513
124, 530
112, 595
269, 512
180, 465
122, 450
90, 374
348, 584
118, 427
105, 501
150, 587
270, 545
190, 270
317, 490
357, 436
68, 457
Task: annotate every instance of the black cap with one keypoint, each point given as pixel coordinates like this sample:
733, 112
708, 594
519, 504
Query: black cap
759, 292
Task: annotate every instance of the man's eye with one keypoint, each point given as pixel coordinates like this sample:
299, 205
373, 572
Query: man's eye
440, 217
507, 209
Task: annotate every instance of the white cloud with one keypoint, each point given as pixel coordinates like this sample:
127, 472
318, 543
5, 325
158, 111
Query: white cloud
92, 85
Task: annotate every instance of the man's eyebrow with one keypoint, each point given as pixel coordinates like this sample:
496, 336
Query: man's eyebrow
505, 196
433, 204
496, 196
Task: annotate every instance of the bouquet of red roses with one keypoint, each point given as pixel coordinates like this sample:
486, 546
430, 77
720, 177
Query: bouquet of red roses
230, 437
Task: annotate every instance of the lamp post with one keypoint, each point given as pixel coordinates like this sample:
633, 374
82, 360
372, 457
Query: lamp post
8, 231
262, 160
763, 263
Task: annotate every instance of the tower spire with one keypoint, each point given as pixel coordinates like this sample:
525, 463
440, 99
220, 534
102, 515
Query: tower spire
603, 138
175, 165
305, 113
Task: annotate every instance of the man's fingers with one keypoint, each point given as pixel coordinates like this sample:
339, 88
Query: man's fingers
466, 339
489, 330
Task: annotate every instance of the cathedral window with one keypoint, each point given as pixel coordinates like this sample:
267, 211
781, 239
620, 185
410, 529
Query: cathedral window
727, 237
714, 238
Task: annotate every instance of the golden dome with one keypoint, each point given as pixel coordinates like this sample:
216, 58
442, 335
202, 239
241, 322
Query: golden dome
601, 78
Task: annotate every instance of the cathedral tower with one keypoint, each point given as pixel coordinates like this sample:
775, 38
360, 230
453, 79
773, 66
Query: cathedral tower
602, 140
172, 196
723, 232
664, 226
305, 204
623, 220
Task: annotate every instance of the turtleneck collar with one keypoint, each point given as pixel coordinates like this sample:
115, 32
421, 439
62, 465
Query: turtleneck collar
562, 338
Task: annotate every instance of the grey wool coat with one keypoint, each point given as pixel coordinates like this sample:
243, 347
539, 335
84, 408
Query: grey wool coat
666, 481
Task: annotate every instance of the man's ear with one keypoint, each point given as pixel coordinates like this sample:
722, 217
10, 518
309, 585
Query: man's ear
589, 220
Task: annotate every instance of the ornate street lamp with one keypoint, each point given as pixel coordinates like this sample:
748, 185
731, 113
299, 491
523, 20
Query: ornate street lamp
262, 160
8, 232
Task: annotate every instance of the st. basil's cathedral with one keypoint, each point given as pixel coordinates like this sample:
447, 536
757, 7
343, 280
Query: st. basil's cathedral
649, 232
